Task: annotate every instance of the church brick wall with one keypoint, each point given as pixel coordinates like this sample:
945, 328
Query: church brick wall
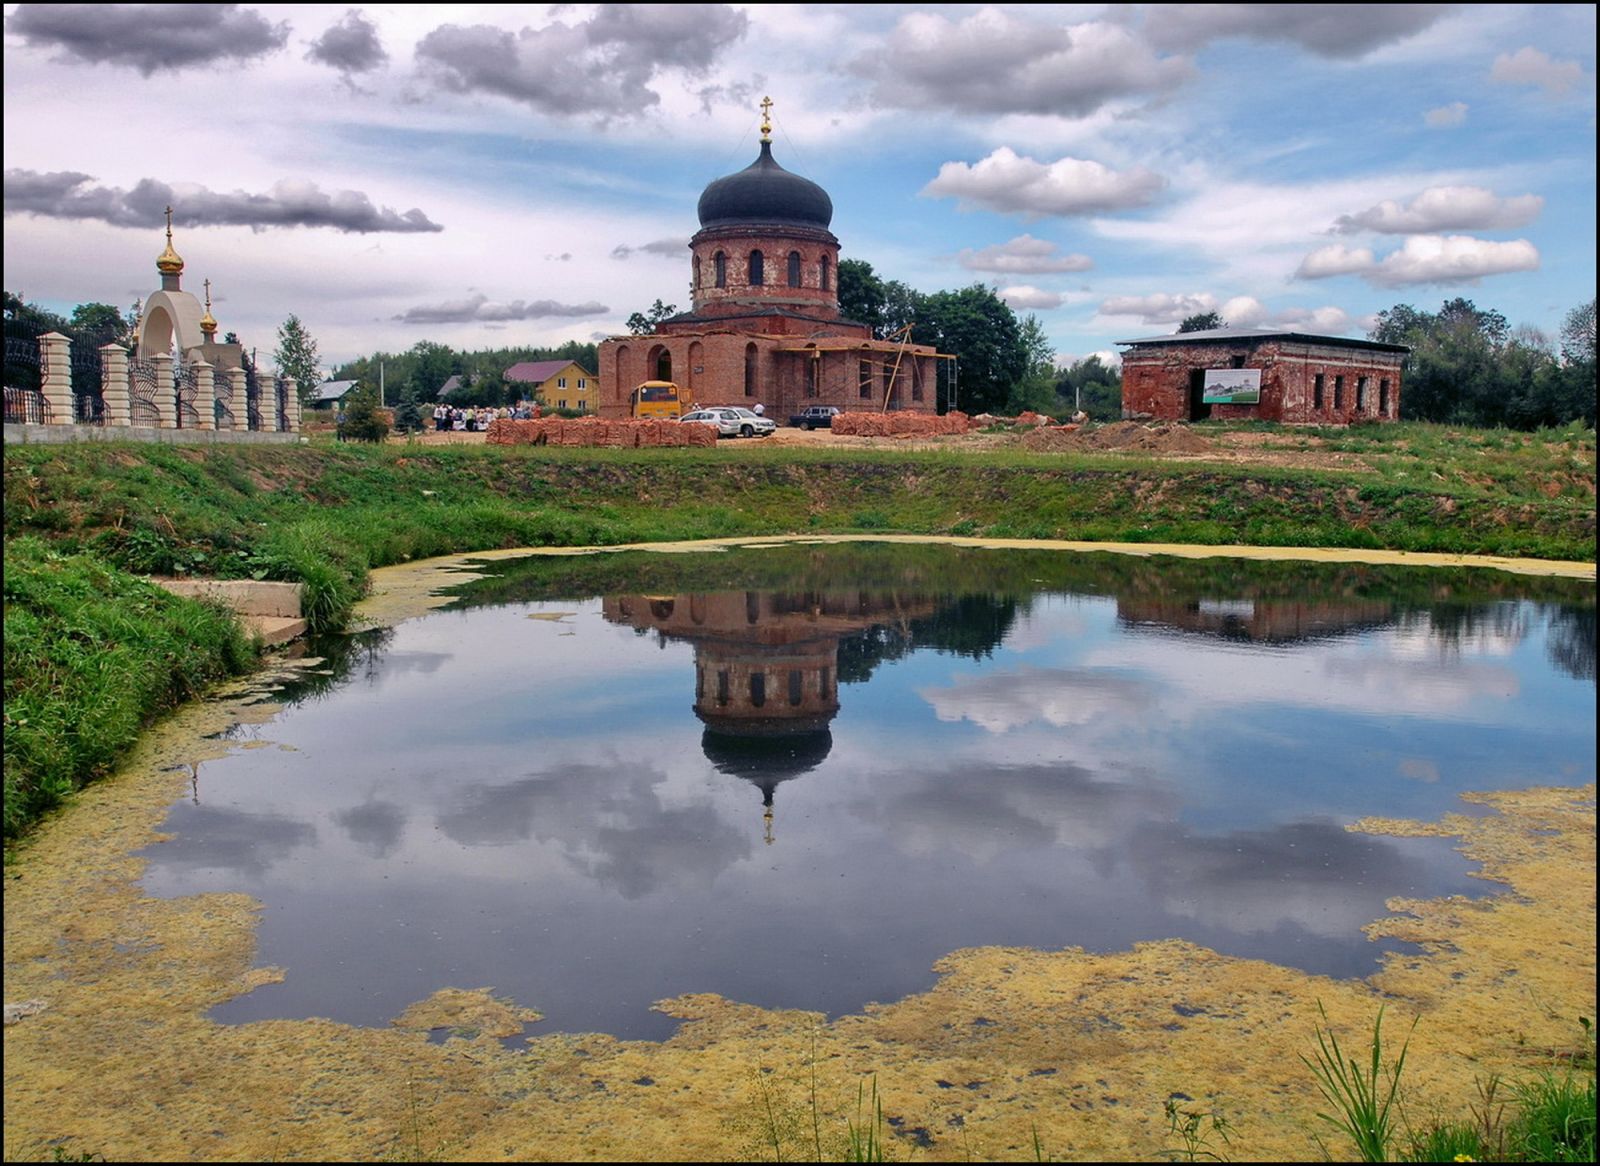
1357, 383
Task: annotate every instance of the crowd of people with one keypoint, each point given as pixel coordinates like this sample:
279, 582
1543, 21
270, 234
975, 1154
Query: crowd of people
476, 418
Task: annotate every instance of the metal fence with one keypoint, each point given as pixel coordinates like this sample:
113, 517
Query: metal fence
88, 401
185, 389
252, 398
142, 407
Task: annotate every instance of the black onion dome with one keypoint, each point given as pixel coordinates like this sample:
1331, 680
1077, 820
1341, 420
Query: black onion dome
764, 192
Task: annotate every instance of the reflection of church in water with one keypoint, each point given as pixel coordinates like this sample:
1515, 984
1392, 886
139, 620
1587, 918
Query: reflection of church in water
766, 668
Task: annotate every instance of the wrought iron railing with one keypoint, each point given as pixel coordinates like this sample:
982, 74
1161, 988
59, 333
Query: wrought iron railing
142, 408
252, 398
185, 389
26, 407
88, 402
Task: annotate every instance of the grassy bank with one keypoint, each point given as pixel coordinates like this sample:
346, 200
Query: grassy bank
98, 653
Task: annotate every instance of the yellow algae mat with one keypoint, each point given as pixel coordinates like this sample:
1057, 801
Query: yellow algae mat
1013, 1054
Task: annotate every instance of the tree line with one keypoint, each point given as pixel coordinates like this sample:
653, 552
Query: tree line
422, 370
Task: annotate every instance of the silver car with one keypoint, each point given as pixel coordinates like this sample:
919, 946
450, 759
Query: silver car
731, 421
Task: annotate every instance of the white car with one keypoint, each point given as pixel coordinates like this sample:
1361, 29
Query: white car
731, 421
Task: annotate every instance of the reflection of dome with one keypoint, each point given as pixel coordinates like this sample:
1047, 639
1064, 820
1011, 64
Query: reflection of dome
765, 192
765, 759
768, 758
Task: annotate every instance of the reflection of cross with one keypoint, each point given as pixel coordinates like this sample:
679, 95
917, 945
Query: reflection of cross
766, 119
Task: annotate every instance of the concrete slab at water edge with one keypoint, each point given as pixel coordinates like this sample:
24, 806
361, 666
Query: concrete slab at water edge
270, 611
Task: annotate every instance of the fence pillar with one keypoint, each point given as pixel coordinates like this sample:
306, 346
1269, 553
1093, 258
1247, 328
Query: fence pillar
55, 376
204, 394
114, 384
166, 400
291, 404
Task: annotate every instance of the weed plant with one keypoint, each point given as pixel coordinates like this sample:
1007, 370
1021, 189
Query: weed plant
1363, 1095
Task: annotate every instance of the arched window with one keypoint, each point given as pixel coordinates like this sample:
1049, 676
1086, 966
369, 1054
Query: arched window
722, 269
749, 370
758, 274
794, 269
826, 280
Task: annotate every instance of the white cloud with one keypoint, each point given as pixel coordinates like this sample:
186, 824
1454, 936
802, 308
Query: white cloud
1159, 307
1329, 30
1446, 116
1013, 184
1529, 66
1445, 208
1023, 296
1441, 259
1023, 255
1336, 259
993, 62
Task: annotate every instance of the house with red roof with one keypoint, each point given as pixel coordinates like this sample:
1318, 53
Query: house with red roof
555, 384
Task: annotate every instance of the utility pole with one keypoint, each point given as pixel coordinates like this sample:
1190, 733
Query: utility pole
382, 400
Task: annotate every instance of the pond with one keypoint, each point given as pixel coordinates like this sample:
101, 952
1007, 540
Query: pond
798, 775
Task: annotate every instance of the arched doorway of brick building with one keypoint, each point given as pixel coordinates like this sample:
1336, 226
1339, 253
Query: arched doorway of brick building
660, 360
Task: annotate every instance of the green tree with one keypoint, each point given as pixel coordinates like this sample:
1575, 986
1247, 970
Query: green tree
362, 420
1202, 322
861, 294
408, 413
901, 306
296, 356
97, 325
431, 365
644, 323
980, 329
1093, 386
1036, 390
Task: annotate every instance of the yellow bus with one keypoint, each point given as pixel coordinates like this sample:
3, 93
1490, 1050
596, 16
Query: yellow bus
656, 399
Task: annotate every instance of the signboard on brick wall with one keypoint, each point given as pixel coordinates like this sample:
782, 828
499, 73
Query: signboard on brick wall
1232, 386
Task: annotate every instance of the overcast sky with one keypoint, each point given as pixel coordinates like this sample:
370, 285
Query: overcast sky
491, 175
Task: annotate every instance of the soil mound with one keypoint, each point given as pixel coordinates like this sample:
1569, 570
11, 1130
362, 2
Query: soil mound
1163, 438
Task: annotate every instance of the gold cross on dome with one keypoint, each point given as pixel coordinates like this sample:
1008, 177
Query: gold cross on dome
169, 224
208, 295
766, 119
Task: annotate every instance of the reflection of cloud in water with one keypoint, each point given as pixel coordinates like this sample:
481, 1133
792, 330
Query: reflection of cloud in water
1323, 676
395, 663
209, 838
1060, 697
1417, 686
1313, 875
374, 825
985, 812
608, 823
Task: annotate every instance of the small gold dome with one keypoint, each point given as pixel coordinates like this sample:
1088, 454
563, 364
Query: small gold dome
169, 262
208, 325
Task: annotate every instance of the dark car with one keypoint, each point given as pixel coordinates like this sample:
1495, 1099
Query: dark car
814, 416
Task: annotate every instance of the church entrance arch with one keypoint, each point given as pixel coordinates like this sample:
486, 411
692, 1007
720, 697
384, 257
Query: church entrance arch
660, 362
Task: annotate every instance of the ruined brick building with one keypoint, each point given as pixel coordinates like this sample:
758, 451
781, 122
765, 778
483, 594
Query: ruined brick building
765, 325
1239, 373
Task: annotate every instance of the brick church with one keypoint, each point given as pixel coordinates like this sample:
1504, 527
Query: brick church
765, 326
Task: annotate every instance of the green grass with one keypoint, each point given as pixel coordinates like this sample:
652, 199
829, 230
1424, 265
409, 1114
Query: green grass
92, 656
1549, 1117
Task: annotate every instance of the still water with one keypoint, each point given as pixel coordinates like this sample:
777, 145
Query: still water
797, 776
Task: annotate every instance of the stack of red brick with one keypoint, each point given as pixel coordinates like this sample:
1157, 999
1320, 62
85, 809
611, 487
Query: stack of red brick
594, 431
898, 424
